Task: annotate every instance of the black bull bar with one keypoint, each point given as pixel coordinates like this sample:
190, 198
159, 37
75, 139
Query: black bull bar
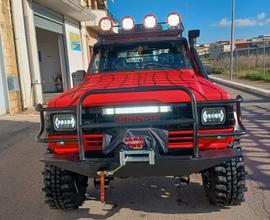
194, 121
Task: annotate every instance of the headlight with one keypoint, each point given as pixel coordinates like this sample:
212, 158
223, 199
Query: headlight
64, 122
213, 116
136, 110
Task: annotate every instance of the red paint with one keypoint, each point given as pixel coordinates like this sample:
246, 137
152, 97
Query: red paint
184, 139
177, 139
92, 142
202, 88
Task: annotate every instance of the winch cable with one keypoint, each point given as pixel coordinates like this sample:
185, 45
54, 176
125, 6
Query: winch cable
102, 174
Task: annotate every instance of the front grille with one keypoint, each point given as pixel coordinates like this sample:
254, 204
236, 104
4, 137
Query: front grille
180, 138
176, 139
93, 141
93, 115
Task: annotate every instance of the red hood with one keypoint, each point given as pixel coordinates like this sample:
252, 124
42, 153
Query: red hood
202, 88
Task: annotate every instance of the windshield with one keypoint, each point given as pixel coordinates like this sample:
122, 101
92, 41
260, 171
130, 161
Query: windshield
140, 56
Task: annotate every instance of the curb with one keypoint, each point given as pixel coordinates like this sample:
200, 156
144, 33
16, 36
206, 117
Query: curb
240, 86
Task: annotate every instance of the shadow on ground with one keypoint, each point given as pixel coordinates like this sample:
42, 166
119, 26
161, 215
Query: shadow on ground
256, 143
147, 195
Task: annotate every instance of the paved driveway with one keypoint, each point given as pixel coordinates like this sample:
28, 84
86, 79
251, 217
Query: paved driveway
133, 198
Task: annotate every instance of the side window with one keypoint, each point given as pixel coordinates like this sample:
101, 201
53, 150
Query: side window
184, 59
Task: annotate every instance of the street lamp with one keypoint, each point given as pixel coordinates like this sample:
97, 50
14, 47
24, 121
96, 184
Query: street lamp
232, 40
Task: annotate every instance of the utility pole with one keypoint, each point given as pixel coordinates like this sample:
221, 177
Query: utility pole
232, 40
264, 65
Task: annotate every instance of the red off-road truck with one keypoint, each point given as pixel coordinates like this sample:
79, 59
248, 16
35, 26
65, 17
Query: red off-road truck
145, 107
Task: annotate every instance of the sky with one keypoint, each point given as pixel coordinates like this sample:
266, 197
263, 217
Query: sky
212, 17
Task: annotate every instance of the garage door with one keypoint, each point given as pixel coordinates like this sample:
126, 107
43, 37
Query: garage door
47, 19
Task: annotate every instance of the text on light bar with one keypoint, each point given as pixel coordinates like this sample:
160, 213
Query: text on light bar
137, 110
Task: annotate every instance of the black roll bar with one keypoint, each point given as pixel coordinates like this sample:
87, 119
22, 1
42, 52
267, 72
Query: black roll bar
194, 120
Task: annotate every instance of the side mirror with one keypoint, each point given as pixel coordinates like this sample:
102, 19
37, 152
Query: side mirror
208, 68
78, 77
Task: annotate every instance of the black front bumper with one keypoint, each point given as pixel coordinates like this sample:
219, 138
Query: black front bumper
164, 165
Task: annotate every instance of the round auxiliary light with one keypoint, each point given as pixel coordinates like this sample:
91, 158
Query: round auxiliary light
150, 22
106, 24
174, 20
128, 23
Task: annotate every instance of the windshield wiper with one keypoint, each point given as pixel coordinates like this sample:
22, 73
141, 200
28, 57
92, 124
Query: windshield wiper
163, 65
106, 69
116, 70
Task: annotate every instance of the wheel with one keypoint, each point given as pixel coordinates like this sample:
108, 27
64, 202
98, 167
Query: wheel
224, 184
63, 189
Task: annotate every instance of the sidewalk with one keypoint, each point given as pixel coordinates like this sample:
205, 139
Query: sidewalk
14, 129
255, 87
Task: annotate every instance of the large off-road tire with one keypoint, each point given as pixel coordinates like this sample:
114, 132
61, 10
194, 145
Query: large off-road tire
63, 189
225, 184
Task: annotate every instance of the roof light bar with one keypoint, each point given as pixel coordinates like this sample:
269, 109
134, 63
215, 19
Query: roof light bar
128, 23
150, 22
106, 24
174, 20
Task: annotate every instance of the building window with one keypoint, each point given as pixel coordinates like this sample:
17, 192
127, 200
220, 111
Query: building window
101, 4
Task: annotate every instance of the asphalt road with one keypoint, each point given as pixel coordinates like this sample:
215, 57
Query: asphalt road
133, 198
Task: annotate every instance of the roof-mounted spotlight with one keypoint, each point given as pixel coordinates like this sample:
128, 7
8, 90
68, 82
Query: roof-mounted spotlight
174, 20
150, 21
106, 24
128, 23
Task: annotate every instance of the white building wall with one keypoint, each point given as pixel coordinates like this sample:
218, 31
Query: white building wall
30, 32
85, 49
74, 46
22, 53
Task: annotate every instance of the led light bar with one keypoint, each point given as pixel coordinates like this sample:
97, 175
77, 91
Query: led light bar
137, 110
150, 22
213, 116
128, 23
174, 20
64, 122
106, 24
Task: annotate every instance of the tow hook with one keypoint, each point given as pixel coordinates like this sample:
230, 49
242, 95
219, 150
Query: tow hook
104, 178
134, 156
102, 175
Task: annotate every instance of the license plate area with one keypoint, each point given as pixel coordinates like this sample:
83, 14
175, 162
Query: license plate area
134, 143
137, 156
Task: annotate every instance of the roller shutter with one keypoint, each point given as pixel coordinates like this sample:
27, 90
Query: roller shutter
47, 19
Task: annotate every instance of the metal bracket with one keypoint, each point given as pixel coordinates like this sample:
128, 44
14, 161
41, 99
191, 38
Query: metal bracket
137, 156
181, 181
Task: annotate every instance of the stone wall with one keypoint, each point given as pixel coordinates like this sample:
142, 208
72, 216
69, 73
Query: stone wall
9, 53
